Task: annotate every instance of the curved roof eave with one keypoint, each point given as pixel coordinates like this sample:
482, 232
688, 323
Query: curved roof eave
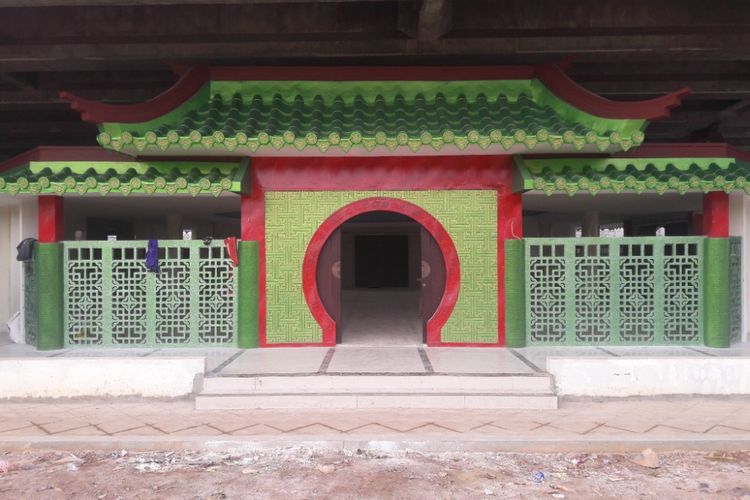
552, 76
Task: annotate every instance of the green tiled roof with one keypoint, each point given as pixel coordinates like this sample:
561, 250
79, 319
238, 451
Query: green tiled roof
110, 177
274, 115
632, 174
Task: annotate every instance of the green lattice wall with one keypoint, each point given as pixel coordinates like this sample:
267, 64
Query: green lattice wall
470, 217
637, 291
111, 299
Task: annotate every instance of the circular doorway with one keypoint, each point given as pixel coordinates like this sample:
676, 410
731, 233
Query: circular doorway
447, 297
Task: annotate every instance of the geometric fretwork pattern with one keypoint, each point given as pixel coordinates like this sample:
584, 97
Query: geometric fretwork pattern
682, 292
735, 289
128, 296
112, 300
546, 293
592, 293
614, 291
637, 293
84, 296
216, 311
469, 216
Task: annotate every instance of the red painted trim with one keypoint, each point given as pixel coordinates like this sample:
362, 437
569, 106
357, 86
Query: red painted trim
191, 80
253, 228
566, 89
383, 173
443, 239
716, 214
373, 173
97, 112
509, 226
50, 218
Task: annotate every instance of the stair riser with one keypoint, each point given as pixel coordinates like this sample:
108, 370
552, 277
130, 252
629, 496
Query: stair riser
359, 384
373, 401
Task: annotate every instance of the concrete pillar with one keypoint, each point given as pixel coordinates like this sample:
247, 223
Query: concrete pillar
716, 282
545, 228
174, 226
590, 224
739, 225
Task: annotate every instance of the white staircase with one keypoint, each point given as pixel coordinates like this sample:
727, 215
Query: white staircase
358, 391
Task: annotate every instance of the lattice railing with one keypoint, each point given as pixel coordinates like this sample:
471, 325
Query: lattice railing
610, 291
111, 299
735, 289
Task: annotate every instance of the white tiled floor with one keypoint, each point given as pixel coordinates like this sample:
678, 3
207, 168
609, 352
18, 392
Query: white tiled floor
383, 317
475, 360
361, 359
278, 360
376, 360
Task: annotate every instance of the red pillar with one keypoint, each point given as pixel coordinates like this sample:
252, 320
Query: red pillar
716, 214
509, 226
50, 219
253, 228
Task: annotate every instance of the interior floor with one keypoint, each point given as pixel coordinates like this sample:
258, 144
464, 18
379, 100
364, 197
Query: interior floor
381, 316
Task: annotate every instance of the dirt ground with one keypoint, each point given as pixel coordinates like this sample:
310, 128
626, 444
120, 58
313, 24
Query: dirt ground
308, 474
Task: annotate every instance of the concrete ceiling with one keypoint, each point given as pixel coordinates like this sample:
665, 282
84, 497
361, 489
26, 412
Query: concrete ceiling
117, 51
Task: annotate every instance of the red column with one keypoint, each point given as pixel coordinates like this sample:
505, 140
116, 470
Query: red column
50, 219
509, 226
716, 214
253, 228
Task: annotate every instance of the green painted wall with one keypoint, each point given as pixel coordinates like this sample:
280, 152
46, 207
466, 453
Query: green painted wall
716, 292
247, 299
515, 294
470, 217
49, 295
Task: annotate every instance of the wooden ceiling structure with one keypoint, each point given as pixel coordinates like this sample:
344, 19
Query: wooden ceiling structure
120, 51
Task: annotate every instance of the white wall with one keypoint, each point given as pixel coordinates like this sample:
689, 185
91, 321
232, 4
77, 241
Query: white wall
739, 225
650, 376
5, 267
18, 220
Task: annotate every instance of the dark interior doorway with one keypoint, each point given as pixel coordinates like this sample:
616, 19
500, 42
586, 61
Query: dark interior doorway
381, 276
381, 260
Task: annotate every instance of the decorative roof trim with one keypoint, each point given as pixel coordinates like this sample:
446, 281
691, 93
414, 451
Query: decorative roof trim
661, 174
388, 144
192, 80
185, 88
555, 79
126, 177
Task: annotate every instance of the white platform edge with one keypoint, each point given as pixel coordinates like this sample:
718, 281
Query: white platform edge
650, 376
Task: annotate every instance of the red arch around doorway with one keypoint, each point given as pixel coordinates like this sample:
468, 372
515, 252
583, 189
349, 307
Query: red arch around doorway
443, 239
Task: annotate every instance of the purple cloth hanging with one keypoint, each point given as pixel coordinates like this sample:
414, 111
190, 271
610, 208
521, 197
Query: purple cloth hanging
152, 256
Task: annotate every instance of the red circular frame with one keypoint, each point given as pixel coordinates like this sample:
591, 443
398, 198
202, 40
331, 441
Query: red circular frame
381, 204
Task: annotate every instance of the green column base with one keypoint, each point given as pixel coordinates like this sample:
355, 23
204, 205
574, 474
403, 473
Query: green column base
716, 293
247, 300
49, 296
515, 294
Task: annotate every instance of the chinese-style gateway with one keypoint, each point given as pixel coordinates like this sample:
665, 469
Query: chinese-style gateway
462, 206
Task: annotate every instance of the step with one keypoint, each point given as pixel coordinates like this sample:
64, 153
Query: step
497, 401
326, 383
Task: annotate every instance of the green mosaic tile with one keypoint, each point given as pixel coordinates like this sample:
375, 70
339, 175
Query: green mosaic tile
123, 177
301, 115
470, 217
592, 175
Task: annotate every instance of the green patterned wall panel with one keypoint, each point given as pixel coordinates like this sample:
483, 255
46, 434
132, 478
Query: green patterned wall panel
614, 291
470, 217
110, 299
735, 289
